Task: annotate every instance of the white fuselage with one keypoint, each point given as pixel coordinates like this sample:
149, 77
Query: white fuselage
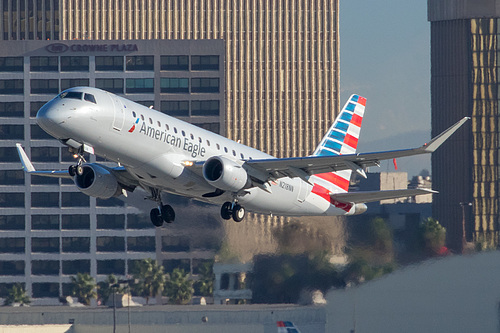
153, 147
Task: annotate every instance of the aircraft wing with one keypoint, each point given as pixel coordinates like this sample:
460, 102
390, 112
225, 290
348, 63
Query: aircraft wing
120, 173
266, 169
372, 196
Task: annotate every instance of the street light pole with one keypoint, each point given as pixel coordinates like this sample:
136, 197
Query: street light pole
464, 240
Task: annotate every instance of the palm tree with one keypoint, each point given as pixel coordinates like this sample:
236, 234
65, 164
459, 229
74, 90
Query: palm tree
83, 287
108, 287
178, 287
17, 294
205, 283
151, 278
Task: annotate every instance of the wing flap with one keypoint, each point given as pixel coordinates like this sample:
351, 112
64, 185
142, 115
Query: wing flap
372, 196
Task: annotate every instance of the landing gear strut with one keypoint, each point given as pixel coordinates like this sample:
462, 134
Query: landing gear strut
164, 213
234, 210
78, 168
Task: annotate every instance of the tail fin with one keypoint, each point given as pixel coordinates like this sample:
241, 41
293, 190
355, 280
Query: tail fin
286, 327
341, 138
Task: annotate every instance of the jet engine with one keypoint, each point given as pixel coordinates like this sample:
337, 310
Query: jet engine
225, 174
97, 181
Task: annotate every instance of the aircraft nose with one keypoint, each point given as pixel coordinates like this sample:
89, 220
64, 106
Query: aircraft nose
49, 116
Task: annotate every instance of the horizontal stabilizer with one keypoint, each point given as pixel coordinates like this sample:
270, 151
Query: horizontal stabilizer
29, 168
371, 196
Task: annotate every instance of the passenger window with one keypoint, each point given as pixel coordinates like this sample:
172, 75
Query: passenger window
218, 147
225, 149
234, 153
242, 156
166, 125
133, 114
208, 143
183, 133
159, 124
151, 121
142, 117
175, 130
200, 140
192, 137
89, 98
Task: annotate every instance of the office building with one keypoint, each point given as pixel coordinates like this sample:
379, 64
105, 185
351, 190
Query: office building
465, 66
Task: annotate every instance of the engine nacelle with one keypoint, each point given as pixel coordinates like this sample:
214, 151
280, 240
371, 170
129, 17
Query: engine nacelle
357, 209
225, 174
97, 181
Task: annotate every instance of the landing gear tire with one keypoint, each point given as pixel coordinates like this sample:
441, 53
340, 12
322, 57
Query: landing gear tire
156, 218
238, 213
79, 170
72, 170
225, 211
167, 213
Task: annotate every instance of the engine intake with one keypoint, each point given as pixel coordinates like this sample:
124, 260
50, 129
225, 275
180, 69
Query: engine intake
97, 181
225, 174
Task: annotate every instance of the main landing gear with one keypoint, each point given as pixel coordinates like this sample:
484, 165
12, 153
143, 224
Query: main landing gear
234, 210
164, 213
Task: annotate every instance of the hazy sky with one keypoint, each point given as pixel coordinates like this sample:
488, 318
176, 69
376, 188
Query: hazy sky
385, 56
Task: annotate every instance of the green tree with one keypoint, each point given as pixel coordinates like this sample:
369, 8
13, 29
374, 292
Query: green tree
205, 283
17, 294
151, 278
105, 288
432, 236
83, 286
178, 287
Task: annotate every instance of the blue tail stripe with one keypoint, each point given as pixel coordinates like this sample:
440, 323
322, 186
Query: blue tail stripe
342, 126
333, 145
336, 135
350, 107
324, 152
346, 116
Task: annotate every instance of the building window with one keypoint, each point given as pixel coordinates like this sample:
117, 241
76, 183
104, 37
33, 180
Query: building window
40, 180
174, 63
175, 108
146, 103
107, 63
45, 289
71, 267
140, 86
8, 154
110, 221
74, 199
45, 199
212, 127
12, 267
12, 109
76, 222
45, 267
45, 222
34, 107
175, 244
171, 264
11, 177
76, 244
12, 245
205, 63
39, 134
45, 244
11, 87
44, 64
141, 244
44, 86
6, 287
45, 154
111, 85
111, 267
174, 85
69, 83
140, 63
11, 200
12, 222
74, 64
11, 64
205, 85
205, 108
112, 202
110, 244
138, 222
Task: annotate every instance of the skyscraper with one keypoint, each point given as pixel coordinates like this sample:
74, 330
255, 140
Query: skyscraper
464, 82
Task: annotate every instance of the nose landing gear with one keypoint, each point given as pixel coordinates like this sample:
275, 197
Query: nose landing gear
234, 210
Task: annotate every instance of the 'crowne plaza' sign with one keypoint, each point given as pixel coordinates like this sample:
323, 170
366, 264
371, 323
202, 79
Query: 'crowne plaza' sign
61, 48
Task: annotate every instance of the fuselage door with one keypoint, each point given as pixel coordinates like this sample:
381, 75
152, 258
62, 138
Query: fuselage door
118, 114
304, 191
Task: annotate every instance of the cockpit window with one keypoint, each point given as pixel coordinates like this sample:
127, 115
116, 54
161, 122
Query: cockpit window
89, 98
71, 94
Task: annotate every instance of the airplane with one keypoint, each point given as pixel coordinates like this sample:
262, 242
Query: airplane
160, 153
286, 327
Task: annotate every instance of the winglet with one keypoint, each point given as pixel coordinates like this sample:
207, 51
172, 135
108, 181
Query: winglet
25, 161
441, 138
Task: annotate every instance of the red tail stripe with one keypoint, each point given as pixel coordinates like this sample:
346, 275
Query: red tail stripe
356, 120
325, 194
362, 101
335, 179
351, 141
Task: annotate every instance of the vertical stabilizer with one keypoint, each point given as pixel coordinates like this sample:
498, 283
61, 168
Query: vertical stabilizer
342, 138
